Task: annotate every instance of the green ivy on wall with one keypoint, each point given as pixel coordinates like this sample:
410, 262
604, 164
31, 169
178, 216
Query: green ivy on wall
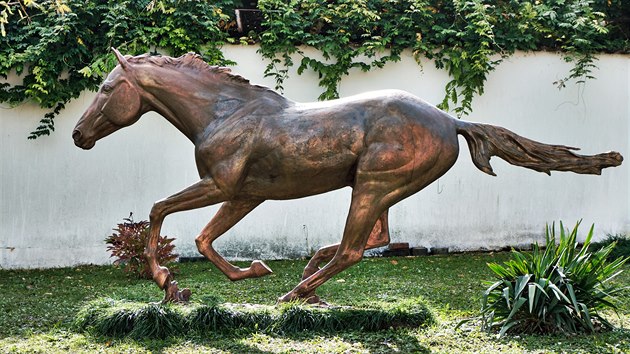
467, 38
57, 55
57, 49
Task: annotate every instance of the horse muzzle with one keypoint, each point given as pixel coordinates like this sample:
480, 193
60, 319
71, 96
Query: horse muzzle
81, 141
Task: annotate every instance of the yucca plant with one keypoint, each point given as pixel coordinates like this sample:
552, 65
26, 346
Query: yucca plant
559, 288
127, 245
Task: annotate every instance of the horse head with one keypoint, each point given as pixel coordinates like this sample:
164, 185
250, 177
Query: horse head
118, 104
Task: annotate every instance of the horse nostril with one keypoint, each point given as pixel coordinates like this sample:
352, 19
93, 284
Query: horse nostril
76, 135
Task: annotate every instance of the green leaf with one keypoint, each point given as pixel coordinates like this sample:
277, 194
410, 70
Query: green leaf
532, 295
521, 283
517, 305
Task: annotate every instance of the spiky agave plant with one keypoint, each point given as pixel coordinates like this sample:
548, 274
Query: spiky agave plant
559, 288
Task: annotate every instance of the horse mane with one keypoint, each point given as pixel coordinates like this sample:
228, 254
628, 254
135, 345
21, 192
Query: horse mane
195, 61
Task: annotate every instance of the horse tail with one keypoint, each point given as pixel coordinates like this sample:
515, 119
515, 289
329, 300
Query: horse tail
485, 141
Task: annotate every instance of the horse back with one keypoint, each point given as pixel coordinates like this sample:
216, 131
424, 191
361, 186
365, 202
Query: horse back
306, 149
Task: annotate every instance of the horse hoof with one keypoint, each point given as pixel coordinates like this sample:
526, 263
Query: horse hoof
184, 295
172, 294
316, 301
259, 269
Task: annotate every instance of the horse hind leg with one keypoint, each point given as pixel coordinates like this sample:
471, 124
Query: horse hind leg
364, 211
379, 237
228, 215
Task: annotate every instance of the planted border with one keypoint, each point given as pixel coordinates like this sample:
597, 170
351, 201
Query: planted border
120, 318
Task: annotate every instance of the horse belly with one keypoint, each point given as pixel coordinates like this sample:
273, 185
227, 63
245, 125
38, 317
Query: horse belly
297, 178
301, 168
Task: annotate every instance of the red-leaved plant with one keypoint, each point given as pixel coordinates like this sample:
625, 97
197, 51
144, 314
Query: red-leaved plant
127, 245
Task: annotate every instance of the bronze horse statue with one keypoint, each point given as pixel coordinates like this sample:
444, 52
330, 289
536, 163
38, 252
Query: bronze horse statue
252, 144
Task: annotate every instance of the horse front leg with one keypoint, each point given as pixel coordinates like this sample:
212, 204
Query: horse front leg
228, 215
379, 237
198, 195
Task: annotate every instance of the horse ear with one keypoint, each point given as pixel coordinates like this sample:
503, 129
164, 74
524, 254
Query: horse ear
121, 59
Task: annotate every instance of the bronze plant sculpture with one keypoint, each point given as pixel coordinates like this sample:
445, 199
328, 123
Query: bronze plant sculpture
252, 144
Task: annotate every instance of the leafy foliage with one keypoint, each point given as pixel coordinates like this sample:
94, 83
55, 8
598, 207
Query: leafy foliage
127, 244
57, 55
560, 288
467, 38
621, 246
54, 49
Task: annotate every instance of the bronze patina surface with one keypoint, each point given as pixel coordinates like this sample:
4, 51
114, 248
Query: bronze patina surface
252, 144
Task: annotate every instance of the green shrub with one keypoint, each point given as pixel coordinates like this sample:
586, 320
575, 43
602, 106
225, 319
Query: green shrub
621, 246
560, 288
127, 245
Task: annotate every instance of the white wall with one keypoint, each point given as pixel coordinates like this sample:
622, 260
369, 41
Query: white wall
58, 203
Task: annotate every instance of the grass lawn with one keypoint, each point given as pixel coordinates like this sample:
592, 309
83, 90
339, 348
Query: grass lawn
37, 308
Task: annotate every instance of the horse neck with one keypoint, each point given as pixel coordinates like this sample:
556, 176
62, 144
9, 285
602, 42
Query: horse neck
186, 101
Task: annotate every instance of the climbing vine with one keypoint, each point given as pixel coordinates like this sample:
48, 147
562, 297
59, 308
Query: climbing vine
54, 56
51, 51
467, 38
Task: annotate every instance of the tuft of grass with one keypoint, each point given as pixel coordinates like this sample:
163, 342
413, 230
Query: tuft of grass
112, 318
295, 317
157, 321
224, 318
116, 318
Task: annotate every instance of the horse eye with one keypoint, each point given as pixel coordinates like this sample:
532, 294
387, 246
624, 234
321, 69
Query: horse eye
107, 88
